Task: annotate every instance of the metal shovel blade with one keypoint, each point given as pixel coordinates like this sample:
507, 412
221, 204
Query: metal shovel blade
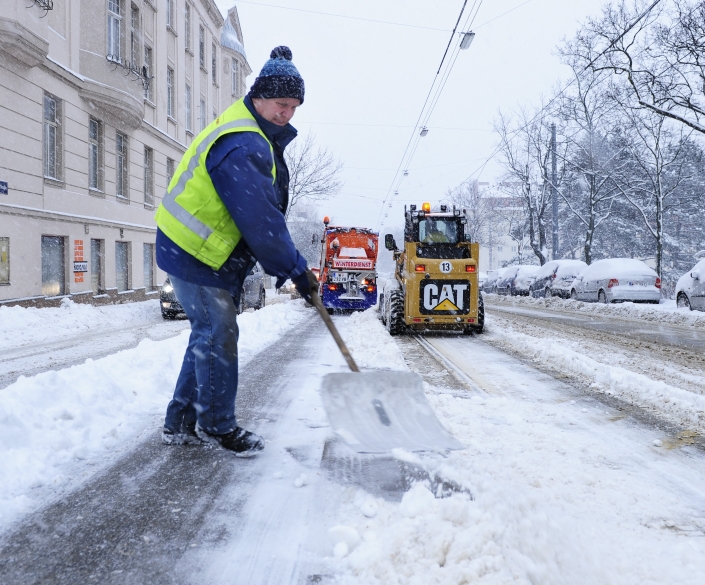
375, 412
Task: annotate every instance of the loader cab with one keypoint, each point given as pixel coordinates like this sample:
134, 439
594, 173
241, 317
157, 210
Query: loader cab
437, 234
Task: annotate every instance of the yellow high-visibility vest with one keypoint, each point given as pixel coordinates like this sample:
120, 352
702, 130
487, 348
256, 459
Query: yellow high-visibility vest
192, 215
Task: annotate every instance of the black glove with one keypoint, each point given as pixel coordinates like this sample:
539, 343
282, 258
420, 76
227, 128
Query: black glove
305, 284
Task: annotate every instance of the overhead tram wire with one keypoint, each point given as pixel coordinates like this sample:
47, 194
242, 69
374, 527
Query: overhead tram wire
444, 79
414, 132
562, 91
434, 97
343, 16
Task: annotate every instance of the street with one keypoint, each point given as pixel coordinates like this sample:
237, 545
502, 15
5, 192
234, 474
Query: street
560, 482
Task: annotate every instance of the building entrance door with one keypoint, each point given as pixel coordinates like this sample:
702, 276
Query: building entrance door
97, 266
122, 266
53, 266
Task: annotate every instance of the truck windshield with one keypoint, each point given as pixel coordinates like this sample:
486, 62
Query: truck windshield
438, 231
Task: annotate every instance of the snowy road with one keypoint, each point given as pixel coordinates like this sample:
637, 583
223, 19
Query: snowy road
635, 331
656, 367
565, 480
198, 515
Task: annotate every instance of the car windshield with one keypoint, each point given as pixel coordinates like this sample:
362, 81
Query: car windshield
438, 231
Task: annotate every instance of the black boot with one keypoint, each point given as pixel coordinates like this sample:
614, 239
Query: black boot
241, 442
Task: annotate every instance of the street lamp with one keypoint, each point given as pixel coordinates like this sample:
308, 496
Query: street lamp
467, 40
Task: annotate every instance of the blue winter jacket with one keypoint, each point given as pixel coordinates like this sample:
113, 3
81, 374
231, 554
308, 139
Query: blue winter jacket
239, 165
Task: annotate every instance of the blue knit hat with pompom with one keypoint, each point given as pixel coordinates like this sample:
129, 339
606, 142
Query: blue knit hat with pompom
279, 78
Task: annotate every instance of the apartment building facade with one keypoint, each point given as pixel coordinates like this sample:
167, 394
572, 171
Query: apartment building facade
99, 99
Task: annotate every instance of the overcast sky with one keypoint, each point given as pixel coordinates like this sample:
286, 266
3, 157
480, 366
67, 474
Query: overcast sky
366, 83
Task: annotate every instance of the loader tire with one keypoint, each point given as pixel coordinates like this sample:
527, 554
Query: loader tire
480, 327
480, 314
395, 315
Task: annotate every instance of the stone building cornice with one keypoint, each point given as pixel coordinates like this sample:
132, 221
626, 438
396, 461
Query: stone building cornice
214, 12
19, 210
24, 45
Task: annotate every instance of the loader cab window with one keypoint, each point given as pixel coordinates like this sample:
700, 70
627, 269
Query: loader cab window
438, 231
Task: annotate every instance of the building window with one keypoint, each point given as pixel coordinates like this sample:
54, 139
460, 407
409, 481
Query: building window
170, 92
4, 260
202, 47
214, 68
148, 176
114, 19
121, 167
134, 35
53, 266
170, 166
52, 137
148, 266
97, 268
188, 109
236, 77
187, 26
202, 114
170, 21
148, 67
122, 266
95, 155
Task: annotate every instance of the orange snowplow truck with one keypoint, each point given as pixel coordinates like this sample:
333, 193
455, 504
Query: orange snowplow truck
348, 271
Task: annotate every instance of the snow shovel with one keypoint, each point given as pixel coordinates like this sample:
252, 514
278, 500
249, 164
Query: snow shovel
375, 412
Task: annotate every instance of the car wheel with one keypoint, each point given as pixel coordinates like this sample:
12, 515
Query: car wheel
547, 294
602, 297
573, 295
683, 301
261, 301
168, 316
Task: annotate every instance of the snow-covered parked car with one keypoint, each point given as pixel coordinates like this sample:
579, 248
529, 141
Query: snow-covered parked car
524, 279
690, 289
489, 285
617, 279
506, 285
554, 278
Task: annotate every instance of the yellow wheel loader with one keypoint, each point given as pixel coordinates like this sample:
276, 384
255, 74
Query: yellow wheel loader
436, 284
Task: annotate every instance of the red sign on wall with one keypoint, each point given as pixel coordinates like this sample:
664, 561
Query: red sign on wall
78, 257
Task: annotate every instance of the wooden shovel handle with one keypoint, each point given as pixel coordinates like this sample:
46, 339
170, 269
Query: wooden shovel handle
333, 331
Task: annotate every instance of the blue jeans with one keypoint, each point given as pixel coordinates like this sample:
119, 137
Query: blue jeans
207, 384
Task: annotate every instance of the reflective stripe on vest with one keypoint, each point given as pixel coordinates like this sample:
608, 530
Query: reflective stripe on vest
169, 201
199, 222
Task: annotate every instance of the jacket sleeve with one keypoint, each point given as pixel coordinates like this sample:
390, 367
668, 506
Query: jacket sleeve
240, 170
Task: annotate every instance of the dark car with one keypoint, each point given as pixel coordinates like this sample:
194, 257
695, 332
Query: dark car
252, 297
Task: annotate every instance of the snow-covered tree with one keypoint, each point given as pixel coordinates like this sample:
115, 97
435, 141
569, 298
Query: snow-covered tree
314, 175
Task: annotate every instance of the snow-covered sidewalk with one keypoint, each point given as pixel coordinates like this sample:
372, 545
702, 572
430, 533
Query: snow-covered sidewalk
59, 427
21, 326
666, 312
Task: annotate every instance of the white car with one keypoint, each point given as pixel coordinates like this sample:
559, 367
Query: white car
690, 289
617, 279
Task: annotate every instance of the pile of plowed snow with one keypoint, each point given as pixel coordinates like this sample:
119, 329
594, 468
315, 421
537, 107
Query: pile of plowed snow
25, 325
666, 313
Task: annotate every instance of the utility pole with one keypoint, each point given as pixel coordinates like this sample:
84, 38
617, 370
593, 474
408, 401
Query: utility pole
554, 191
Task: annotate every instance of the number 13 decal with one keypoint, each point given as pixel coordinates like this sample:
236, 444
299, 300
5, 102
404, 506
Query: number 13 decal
446, 267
